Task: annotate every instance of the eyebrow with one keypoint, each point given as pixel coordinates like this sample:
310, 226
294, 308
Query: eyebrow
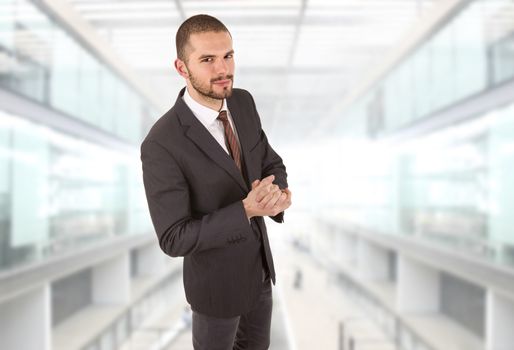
208, 55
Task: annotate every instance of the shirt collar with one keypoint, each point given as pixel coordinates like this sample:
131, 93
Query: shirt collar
205, 114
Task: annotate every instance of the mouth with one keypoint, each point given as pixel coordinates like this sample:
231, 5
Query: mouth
225, 82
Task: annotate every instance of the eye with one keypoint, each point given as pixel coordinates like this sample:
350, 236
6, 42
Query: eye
208, 59
229, 56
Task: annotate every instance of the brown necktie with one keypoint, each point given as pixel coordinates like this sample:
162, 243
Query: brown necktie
230, 139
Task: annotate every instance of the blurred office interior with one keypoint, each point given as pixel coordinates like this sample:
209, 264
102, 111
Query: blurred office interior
395, 119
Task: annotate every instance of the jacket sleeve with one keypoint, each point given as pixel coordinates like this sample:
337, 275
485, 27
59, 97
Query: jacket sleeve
271, 162
168, 199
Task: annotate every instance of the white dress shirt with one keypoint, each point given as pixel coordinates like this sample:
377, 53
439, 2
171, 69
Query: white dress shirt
208, 117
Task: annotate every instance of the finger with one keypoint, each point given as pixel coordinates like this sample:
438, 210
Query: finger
268, 179
281, 201
268, 196
255, 183
263, 191
264, 184
289, 198
260, 194
273, 200
282, 206
265, 200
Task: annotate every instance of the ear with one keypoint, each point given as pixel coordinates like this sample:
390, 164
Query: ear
181, 68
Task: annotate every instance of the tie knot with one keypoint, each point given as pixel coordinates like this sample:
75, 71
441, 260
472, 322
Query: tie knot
223, 116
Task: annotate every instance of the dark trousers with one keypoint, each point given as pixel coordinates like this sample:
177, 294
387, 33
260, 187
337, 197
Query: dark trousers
250, 331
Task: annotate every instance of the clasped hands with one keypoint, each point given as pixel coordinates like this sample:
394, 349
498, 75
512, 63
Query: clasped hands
266, 199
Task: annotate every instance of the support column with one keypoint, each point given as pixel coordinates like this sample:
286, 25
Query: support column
372, 261
25, 321
150, 260
418, 286
111, 281
347, 248
499, 321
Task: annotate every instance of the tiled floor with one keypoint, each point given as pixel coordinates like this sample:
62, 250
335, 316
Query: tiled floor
316, 306
307, 313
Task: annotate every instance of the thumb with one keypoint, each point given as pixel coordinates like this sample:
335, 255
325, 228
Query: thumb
255, 183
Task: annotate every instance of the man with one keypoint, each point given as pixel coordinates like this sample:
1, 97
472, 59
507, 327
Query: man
210, 176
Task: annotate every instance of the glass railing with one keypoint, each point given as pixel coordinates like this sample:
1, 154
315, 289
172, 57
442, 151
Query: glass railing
42, 61
401, 334
59, 193
118, 334
469, 54
454, 186
451, 188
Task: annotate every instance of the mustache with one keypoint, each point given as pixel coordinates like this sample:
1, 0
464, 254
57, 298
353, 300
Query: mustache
229, 77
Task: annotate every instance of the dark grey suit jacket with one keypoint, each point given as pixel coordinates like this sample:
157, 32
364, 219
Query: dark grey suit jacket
194, 192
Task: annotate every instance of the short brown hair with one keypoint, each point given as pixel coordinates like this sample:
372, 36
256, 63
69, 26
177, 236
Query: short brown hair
192, 25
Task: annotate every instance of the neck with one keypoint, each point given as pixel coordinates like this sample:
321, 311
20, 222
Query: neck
206, 101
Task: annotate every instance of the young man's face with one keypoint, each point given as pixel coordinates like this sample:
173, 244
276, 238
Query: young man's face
210, 66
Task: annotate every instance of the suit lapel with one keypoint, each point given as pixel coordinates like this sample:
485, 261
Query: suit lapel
197, 133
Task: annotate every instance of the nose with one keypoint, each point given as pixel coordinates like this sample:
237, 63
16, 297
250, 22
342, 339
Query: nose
221, 67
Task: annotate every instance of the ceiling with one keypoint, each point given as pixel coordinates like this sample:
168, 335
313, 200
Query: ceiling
297, 57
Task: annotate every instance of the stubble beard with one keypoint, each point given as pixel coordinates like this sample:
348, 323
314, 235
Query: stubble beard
208, 91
